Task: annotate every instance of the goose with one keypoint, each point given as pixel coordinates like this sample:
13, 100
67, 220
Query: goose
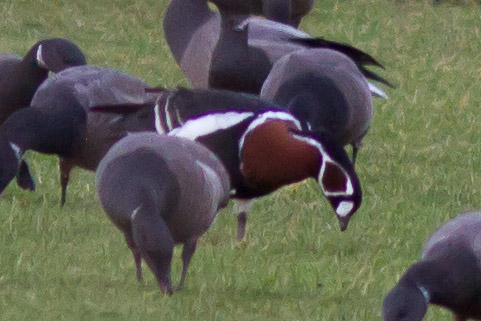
59, 122
326, 89
247, 133
160, 191
448, 274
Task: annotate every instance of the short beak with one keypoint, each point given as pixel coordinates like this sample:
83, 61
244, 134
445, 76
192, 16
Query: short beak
343, 222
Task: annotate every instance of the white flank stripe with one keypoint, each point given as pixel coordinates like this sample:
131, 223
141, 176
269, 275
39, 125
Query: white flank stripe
262, 118
167, 115
344, 208
211, 175
377, 91
195, 128
158, 124
326, 159
40, 61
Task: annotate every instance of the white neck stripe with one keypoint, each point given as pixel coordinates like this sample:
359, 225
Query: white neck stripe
40, 61
264, 117
326, 159
208, 124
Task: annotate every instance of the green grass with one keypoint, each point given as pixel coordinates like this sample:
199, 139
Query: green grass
419, 166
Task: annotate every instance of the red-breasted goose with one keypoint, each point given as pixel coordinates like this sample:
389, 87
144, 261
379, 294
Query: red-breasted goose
59, 123
160, 191
20, 77
247, 133
288, 12
448, 274
325, 89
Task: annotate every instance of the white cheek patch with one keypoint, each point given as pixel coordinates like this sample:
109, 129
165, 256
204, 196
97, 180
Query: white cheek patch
349, 188
40, 61
209, 124
344, 208
263, 118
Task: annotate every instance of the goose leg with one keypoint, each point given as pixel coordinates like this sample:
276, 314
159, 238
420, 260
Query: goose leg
242, 208
65, 168
187, 252
156, 245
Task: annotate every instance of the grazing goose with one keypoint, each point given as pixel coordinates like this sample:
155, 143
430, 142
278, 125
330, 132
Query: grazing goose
325, 89
247, 133
59, 123
174, 189
192, 42
238, 66
20, 78
288, 12
448, 274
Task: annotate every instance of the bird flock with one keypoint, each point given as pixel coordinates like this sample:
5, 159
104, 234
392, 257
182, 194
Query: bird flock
270, 106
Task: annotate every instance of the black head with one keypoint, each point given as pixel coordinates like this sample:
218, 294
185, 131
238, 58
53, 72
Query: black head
404, 304
10, 158
337, 178
55, 55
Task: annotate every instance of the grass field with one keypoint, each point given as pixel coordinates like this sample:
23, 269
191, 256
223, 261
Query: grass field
419, 167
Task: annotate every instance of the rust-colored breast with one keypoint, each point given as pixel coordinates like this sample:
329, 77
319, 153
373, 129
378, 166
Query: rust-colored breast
271, 157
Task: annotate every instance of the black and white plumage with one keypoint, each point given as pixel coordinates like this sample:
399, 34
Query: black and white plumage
160, 191
448, 274
231, 125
